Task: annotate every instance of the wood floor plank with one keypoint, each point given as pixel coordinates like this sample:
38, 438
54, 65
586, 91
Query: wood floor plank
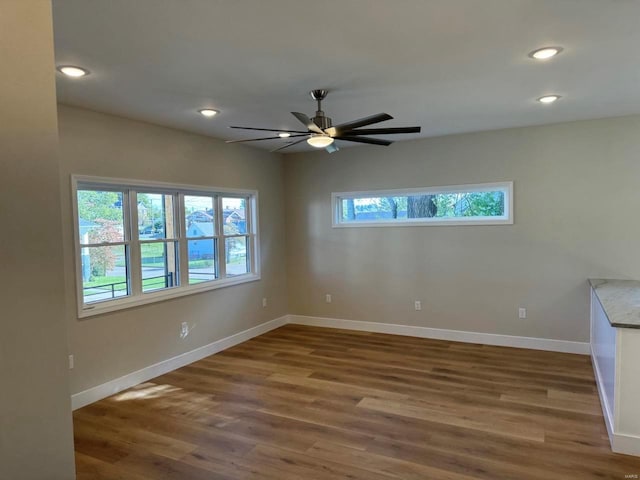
441, 437
153, 466
91, 468
336, 386
325, 404
301, 465
239, 468
474, 419
554, 403
381, 464
124, 439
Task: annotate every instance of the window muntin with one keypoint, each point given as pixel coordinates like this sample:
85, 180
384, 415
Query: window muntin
488, 204
141, 233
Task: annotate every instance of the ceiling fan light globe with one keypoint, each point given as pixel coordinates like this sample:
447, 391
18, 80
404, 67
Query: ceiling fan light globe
320, 141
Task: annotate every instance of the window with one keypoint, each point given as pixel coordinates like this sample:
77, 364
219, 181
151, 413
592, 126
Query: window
484, 204
202, 240
235, 234
157, 250
139, 242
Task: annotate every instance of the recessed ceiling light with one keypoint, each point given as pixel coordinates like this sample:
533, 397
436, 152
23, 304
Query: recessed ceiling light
545, 53
320, 141
208, 112
549, 98
72, 71
284, 135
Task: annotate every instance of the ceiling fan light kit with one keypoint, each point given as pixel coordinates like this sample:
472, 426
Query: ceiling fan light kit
321, 133
320, 141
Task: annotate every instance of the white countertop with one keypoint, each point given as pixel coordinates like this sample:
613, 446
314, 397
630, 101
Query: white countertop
620, 300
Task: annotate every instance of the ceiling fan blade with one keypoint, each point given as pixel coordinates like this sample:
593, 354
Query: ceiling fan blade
384, 131
308, 122
372, 141
344, 128
288, 145
270, 130
265, 138
332, 148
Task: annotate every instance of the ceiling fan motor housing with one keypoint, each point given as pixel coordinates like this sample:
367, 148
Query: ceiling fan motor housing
322, 121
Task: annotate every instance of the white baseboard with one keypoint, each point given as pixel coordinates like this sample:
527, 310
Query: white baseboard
548, 344
625, 443
79, 400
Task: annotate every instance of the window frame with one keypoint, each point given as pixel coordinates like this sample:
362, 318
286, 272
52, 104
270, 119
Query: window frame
126, 241
131, 188
506, 219
137, 243
223, 236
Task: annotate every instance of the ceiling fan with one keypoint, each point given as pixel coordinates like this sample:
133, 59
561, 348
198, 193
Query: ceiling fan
321, 133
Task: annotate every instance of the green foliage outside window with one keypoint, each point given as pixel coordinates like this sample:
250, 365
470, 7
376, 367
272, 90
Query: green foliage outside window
439, 205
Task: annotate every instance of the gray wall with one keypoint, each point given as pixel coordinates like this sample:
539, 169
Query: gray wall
111, 345
576, 215
35, 411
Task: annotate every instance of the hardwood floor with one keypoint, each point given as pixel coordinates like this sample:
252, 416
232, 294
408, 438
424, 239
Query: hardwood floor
312, 403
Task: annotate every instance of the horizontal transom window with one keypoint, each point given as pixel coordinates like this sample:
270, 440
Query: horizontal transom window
140, 242
481, 204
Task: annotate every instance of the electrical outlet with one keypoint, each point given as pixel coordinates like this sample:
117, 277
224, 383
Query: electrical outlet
71, 362
184, 330
327, 298
418, 305
264, 302
522, 312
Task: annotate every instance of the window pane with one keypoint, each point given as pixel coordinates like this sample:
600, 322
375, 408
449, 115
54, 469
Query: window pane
237, 260
202, 260
233, 215
104, 273
199, 216
100, 216
155, 216
373, 208
471, 204
437, 205
158, 266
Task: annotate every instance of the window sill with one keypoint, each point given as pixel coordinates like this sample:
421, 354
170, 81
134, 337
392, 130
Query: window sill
99, 308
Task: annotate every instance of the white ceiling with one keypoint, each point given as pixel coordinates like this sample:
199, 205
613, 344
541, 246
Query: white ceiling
448, 65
